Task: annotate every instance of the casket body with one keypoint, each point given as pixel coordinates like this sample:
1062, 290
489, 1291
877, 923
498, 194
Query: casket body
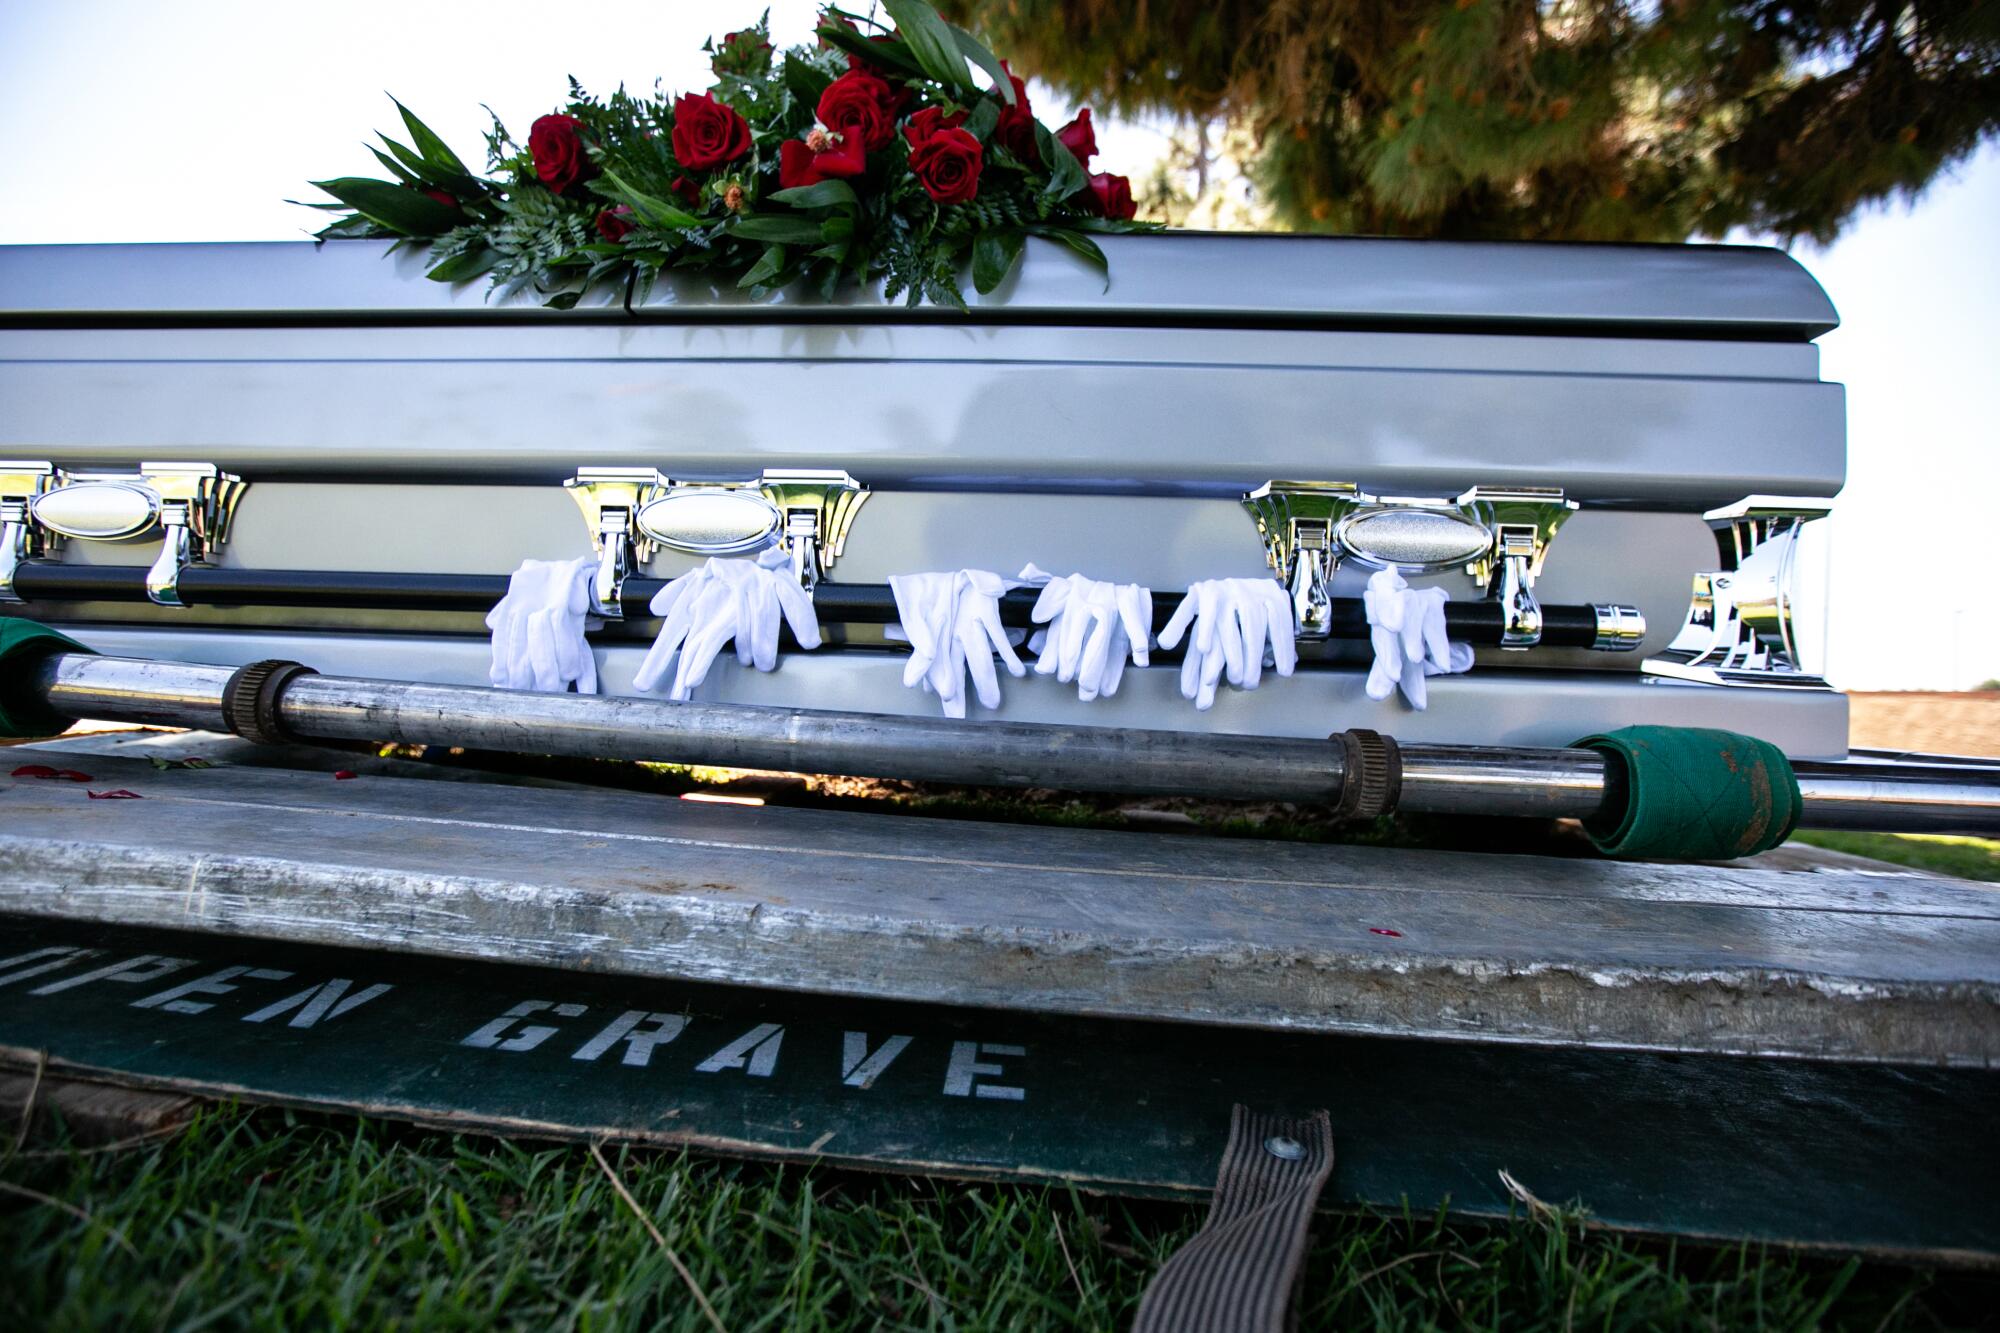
384, 424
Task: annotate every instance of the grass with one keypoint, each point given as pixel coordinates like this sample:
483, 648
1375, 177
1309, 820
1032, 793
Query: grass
1966, 858
270, 1219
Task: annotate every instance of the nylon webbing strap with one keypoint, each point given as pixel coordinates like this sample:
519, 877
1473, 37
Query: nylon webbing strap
1237, 1274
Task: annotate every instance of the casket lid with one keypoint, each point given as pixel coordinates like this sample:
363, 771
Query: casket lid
1201, 279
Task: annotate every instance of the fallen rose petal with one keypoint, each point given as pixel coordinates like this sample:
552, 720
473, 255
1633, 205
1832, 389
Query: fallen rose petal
116, 794
71, 775
1383, 930
343, 774
34, 771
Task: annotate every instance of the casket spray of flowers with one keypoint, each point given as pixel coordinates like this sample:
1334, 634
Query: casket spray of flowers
881, 154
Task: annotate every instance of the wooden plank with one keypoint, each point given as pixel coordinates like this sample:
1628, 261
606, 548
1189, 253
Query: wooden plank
1888, 1160
1826, 964
95, 1112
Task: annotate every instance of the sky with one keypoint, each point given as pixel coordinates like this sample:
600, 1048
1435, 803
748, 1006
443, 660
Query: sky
196, 120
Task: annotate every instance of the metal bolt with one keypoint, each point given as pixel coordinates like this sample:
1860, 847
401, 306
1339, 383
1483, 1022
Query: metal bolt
1289, 1150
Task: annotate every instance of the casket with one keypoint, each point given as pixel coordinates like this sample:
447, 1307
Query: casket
236, 452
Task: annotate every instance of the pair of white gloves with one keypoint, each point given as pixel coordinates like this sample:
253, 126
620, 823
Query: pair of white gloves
1407, 631
951, 619
724, 600
1091, 630
538, 627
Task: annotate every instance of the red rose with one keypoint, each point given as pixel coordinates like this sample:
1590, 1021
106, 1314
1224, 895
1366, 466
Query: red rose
707, 133
687, 191
862, 107
447, 200
947, 165
557, 149
928, 122
1016, 130
799, 164
1110, 196
612, 224
1079, 138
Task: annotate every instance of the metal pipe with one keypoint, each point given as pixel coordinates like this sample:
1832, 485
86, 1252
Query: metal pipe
1007, 754
1473, 621
1436, 779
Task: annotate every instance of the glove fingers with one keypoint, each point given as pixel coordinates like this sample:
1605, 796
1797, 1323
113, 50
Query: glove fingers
1251, 614
1211, 673
1135, 612
1230, 631
797, 609
543, 668
1191, 665
1281, 627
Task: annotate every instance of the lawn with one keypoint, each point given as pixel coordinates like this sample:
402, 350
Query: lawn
259, 1218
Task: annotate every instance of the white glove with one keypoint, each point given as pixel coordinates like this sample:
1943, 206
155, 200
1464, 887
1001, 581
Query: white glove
743, 600
1092, 626
538, 628
952, 620
1235, 621
1406, 628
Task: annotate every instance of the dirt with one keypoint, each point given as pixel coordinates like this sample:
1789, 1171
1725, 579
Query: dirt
1925, 721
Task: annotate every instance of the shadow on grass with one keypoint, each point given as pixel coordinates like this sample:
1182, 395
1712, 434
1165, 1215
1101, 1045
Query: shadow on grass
262, 1218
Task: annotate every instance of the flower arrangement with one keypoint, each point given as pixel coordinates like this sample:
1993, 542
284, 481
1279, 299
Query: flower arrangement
876, 155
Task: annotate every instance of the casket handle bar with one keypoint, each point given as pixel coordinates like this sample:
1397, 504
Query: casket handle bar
1356, 772
188, 506
1500, 535
1477, 621
634, 511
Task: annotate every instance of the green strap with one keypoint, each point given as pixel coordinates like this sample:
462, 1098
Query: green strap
1694, 794
23, 711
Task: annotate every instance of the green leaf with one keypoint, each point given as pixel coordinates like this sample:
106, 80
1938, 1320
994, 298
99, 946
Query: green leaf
767, 267
1066, 174
825, 194
930, 40
1078, 242
654, 212
887, 55
396, 168
805, 82
434, 149
563, 301
983, 118
787, 231
975, 51
396, 207
993, 255
461, 267
407, 156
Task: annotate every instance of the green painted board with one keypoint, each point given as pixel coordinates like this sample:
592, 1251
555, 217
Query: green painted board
1888, 1160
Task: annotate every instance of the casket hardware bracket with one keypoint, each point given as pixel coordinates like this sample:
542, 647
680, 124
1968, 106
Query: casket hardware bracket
1308, 527
610, 498
1523, 521
818, 505
21, 538
190, 505
1297, 520
812, 510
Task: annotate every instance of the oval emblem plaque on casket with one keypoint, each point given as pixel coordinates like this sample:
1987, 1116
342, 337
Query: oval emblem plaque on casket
97, 510
1413, 539
711, 520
